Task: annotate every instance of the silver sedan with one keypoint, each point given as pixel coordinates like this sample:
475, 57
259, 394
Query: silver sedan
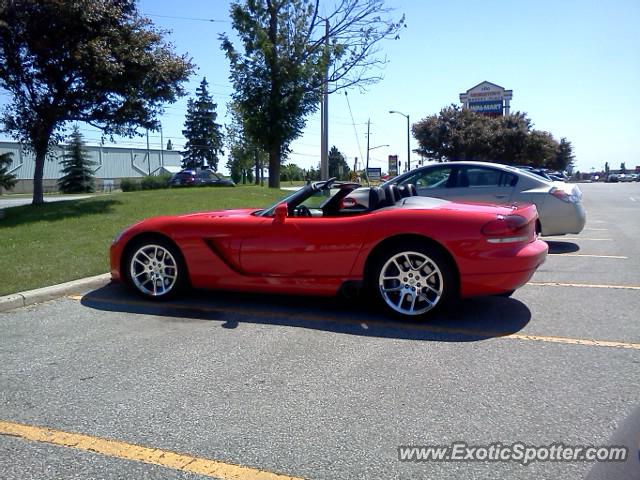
559, 204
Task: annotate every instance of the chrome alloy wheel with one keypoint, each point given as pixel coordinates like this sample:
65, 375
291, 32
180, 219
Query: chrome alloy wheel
153, 270
411, 283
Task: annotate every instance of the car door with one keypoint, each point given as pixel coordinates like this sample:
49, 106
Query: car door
482, 184
433, 181
303, 246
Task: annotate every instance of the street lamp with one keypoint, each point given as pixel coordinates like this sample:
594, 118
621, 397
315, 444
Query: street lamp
408, 138
366, 172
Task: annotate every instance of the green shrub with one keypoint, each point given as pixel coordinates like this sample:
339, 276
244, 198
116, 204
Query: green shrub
155, 182
129, 185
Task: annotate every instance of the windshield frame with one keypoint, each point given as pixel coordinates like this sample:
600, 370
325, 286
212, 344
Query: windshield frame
299, 196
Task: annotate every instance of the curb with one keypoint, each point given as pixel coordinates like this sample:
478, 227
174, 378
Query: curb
29, 297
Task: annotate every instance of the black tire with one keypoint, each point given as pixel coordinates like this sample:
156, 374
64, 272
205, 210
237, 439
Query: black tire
505, 294
164, 274
426, 283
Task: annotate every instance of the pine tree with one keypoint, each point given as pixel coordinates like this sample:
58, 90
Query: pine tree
78, 176
203, 134
169, 145
7, 180
337, 163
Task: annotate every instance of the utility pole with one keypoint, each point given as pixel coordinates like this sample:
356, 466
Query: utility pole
366, 170
161, 147
324, 110
148, 153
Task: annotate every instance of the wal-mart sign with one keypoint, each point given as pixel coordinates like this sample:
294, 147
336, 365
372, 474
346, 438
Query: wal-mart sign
487, 98
488, 107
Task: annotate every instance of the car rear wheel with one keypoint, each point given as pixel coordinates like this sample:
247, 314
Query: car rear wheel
155, 268
413, 281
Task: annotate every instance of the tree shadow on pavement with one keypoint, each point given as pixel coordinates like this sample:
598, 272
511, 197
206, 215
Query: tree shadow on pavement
469, 321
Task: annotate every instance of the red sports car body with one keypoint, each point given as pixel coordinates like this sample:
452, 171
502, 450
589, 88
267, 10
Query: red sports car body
412, 253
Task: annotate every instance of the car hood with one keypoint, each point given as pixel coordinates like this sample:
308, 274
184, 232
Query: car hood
234, 212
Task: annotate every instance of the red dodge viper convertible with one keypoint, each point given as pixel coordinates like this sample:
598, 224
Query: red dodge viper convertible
411, 254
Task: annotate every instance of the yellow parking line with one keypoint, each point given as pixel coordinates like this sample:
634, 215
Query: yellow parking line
587, 255
577, 341
138, 453
425, 327
583, 285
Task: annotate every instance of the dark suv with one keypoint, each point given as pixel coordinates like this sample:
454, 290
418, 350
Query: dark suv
188, 178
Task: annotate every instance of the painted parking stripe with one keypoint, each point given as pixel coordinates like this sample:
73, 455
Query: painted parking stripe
379, 322
587, 255
596, 229
582, 285
580, 238
138, 453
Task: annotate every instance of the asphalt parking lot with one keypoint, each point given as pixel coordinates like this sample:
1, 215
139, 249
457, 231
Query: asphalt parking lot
327, 389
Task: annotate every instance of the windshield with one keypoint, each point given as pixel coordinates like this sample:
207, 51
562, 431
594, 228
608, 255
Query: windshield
322, 198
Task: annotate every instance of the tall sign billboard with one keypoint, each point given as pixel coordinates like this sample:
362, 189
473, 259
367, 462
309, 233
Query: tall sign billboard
488, 99
393, 165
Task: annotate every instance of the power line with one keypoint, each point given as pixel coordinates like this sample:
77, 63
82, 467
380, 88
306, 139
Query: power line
355, 131
210, 20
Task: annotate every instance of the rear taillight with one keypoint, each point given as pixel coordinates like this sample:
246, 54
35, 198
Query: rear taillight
573, 197
506, 229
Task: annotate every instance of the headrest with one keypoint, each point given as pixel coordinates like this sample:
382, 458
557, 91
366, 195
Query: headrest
392, 194
376, 197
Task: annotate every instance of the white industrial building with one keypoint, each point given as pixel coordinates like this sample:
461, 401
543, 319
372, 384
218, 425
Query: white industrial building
111, 165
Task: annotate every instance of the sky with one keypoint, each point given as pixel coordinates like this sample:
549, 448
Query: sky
573, 66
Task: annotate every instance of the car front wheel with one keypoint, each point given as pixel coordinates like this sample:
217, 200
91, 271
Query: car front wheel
413, 281
155, 268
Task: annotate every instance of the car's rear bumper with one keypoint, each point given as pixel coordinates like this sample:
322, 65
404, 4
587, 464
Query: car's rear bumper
506, 270
560, 218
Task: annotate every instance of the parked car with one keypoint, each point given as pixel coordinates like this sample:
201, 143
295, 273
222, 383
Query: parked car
190, 177
412, 254
559, 204
626, 177
612, 178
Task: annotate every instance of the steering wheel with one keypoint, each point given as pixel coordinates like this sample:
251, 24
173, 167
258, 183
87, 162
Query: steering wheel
302, 211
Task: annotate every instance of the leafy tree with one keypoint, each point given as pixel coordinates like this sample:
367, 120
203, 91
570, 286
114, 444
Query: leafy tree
292, 172
76, 167
623, 168
461, 134
336, 162
564, 156
94, 61
203, 134
278, 73
243, 156
7, 180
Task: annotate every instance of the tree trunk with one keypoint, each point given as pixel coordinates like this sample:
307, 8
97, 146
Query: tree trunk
274, 167
256, 159
38, 191
40, 142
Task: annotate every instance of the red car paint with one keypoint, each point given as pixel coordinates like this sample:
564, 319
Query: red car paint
238, 250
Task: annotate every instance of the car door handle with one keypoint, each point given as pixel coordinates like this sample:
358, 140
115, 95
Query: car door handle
500, 195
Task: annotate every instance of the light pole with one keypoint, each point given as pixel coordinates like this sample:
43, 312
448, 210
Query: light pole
366, 172
408, 138
324, 111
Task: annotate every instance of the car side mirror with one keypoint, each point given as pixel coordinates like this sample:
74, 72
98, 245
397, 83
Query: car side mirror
280, 213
